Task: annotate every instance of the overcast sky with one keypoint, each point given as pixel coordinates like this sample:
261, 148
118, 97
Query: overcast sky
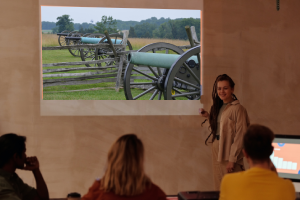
86, 14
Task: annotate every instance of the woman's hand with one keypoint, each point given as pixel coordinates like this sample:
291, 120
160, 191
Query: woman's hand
203, 113
230, 167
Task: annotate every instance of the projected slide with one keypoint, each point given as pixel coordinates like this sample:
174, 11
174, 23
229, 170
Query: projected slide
285, 158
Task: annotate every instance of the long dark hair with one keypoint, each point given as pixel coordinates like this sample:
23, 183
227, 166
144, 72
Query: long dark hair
217, 104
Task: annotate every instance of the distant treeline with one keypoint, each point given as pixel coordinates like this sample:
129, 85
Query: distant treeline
125, 25
51, 25
149, 28
171, 29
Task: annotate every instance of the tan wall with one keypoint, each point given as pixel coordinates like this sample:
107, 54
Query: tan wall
258, 47
249, 40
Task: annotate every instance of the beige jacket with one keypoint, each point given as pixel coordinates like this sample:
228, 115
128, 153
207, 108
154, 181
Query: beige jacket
233, 125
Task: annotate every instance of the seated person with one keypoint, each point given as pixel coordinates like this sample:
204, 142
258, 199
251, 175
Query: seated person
12, 157
260, 182
73, 196
124, 177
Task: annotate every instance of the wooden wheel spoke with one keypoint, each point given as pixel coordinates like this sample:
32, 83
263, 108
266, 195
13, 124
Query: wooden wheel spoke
143, 93
154, 94
177, 90
187, 83
155, 74
155, 79
159, 95
191, 72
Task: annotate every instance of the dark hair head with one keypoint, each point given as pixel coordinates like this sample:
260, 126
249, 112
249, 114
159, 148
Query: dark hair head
10, 144
258, 142
217, 104
74, 195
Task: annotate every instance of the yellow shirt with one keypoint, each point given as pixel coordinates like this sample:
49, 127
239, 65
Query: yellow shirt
256, 184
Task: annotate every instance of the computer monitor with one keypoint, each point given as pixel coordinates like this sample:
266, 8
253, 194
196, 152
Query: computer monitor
286, 156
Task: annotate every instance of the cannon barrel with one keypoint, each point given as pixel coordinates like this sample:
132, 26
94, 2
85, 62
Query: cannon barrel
63, 34
88, 40
73, 38
155, 59
97, 40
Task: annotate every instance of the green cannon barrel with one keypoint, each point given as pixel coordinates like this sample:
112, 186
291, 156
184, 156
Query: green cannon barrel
88, 40
155, 59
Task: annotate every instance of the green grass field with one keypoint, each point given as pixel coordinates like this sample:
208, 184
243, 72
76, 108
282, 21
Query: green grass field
47, 31
107, 91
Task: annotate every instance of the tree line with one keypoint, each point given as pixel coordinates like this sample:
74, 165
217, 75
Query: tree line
149, 28
171, 29
125, 25
121, 25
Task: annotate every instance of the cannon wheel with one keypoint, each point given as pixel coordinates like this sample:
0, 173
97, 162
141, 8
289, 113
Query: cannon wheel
89, 53
135, 77
101, 53
61, 39
173, 84
75, 52
69, 35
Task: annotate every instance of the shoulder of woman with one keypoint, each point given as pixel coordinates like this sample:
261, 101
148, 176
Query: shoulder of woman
96, 184
237, 106
158, 190
93, 191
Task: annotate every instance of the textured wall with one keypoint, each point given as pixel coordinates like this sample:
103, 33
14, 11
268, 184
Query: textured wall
258, 47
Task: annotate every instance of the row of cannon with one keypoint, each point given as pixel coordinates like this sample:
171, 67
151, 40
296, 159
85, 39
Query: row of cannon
90, 54
171, 75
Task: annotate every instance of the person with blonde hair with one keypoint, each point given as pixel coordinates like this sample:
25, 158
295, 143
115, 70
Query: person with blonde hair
124, 176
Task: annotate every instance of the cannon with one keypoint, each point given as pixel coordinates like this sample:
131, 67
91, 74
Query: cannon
63, 40
74, 39
89, 54
62, 36
173, 75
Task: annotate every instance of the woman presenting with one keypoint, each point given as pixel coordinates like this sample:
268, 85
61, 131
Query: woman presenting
228, 121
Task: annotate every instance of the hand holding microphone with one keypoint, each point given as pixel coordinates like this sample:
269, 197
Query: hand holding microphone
203, 113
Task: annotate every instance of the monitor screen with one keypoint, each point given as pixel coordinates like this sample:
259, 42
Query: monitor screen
286, 156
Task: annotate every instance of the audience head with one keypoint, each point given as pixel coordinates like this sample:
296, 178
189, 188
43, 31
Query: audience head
125, 167
258, 143
12, 148
74, 196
